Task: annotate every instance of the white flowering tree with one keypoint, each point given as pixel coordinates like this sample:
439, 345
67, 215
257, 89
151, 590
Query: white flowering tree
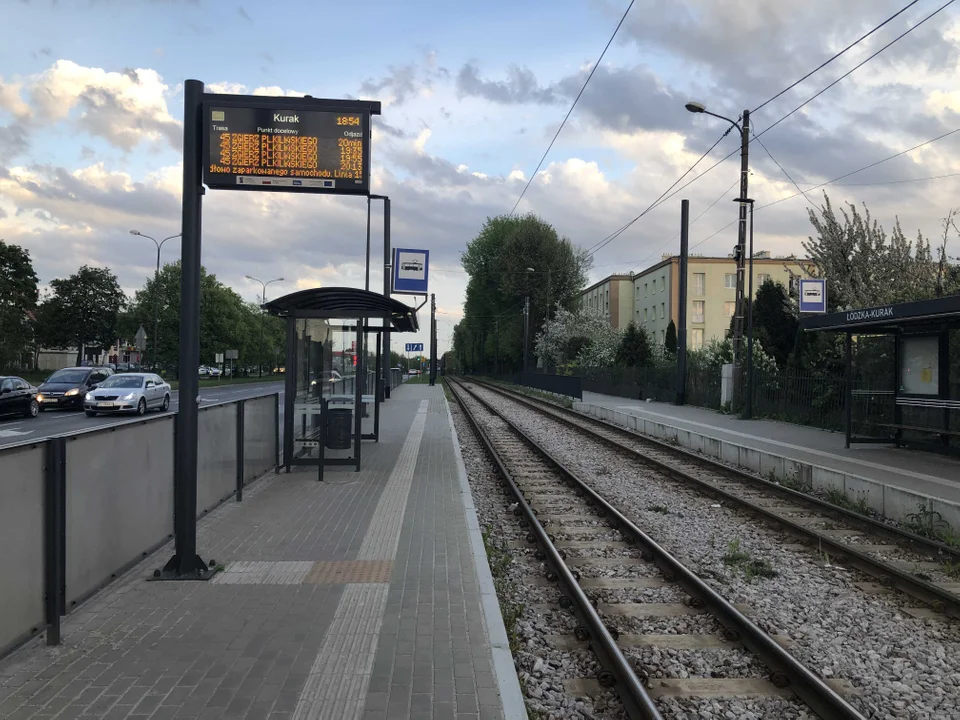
577, 336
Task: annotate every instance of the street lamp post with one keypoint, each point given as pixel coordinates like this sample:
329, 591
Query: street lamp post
263, 301
740, 252
156, 291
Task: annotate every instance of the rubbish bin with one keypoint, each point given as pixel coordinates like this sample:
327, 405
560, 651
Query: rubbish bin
339, 422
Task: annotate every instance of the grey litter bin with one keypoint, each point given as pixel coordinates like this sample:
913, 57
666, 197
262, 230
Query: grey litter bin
339, 422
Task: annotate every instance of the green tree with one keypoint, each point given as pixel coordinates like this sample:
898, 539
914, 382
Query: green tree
774, 320
18, 297
226, 321
497, 262
634, 350
83, 310
670, 339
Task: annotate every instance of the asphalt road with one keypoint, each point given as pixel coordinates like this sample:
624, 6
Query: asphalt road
59, 422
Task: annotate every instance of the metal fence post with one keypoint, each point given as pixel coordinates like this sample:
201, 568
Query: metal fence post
241, 405
55, 536
276, 427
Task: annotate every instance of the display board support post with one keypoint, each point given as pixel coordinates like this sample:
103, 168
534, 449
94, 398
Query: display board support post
387, 273
186, 564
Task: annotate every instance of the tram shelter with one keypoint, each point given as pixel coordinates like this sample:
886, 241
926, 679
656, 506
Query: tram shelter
333, 371
902, 372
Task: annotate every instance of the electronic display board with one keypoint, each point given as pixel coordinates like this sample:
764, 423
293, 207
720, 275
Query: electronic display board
286, 148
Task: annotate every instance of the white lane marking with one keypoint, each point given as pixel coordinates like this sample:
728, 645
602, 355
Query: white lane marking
14, 433
336, 688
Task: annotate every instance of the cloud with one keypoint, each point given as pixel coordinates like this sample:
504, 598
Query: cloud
403, 83
124, 108
519, 87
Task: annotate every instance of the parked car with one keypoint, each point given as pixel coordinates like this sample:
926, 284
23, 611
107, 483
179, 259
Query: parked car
331, 376
213, 371
129, 392
66, 388
18, 397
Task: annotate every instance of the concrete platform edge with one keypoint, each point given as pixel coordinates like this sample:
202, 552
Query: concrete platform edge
890, 501
511, 696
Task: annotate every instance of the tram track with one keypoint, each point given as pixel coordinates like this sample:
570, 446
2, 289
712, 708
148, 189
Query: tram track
558, 508
920, 567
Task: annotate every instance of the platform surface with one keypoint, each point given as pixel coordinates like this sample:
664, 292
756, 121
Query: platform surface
356, 598
924, 472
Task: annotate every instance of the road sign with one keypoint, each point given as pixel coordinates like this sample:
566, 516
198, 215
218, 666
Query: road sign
287, 144
219, 358
232, 354
410, 271
414, 347
813, 295
140, 339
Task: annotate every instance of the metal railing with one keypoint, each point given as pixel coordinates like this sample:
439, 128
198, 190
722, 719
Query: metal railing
79, 509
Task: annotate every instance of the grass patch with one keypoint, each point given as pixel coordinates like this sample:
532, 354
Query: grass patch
737, 557
499, 560
930, 524
662, 509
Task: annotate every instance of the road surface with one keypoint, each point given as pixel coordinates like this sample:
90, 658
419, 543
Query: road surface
59, 422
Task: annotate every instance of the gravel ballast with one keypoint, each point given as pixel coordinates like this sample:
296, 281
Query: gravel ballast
898, 665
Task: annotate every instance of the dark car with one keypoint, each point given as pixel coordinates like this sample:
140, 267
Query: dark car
66, 388
18, 397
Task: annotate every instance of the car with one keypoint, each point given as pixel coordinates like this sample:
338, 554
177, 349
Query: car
204, 371
214, 371
18, 397
67, 387
128, 393
413, 372
331, 376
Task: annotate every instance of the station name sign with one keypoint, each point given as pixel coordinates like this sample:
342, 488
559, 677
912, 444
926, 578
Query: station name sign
264, 143
871, 314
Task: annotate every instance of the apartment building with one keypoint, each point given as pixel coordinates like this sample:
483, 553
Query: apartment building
611, 298
711, 293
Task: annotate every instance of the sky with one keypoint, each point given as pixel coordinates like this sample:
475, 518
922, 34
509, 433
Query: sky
91, 116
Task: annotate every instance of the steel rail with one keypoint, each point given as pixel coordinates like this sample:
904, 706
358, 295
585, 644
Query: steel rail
877, 526
938, 598
637, 702
786, 669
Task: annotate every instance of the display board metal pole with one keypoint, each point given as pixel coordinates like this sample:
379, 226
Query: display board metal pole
186, 563
387, 274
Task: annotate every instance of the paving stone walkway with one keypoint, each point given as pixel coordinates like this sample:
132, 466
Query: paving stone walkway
352, 599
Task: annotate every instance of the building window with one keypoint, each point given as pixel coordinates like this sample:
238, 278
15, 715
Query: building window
663, 283
697, 338
662, 338
730, 281
761, 279
729, 308
699, 284
698, 307
644, 314
645, 293
663, 310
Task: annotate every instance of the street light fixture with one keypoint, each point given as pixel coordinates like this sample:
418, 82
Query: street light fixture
156, 291
263, 301
743, 201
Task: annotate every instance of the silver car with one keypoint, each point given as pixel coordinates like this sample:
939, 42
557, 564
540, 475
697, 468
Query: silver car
130, 393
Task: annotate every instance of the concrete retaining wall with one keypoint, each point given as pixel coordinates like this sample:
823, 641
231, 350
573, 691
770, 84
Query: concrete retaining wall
890, 502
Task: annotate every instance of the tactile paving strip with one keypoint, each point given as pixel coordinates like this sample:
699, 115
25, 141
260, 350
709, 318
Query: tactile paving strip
350, 571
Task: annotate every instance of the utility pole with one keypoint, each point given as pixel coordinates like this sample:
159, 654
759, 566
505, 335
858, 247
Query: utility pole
526, 330
433, 338
748, 403
387, 281
740, 253
156, 291
263, 301
682, 309
496, 362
